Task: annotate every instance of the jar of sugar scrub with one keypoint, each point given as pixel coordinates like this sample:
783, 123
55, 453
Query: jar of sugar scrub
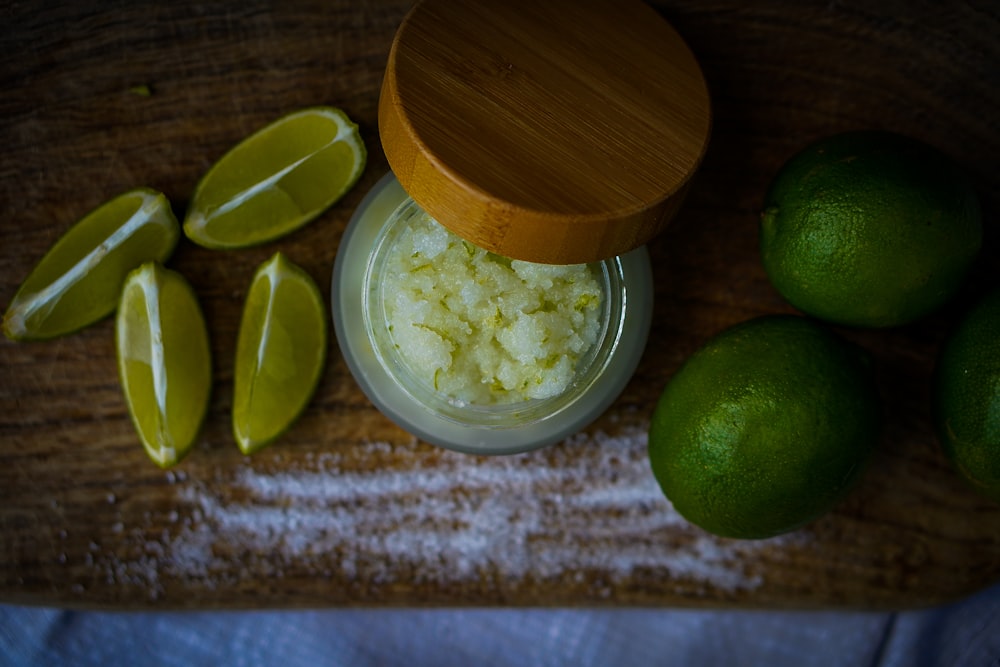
493, 294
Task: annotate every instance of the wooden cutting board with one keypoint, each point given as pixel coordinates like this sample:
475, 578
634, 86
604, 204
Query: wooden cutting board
348, 509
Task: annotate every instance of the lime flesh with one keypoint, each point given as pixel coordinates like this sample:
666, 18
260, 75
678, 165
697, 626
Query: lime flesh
280, 352
276, 180
164, 361
79, 279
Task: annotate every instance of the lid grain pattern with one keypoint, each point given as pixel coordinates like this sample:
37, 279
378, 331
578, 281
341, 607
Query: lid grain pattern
557, 132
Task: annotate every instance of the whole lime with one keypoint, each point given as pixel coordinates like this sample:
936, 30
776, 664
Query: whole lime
765, 428
967, 396
869, 229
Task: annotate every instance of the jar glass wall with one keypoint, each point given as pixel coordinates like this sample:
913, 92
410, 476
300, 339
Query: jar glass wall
366, 342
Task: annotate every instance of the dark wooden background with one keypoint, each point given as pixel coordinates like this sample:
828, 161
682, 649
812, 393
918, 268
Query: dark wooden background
349, 510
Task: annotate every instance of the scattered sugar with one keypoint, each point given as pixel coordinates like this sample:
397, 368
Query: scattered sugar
585, 510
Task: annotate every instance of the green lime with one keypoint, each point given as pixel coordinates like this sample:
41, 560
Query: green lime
280, 352
869, 229
276, 180
967, 396
765, 428
163, 361
79, 279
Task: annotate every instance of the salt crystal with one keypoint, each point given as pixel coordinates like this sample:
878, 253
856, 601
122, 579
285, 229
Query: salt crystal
588, 506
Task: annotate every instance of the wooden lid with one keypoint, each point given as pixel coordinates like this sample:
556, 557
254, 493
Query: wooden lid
561, 131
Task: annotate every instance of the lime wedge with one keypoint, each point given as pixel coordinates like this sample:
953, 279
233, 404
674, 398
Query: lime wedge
280, 352
163, 361
79, 279
276, 180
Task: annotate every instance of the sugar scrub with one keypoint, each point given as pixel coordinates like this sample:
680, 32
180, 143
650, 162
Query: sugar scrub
523, 355
483, 329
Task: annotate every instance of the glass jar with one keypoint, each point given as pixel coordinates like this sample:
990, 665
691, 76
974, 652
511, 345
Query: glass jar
501, 428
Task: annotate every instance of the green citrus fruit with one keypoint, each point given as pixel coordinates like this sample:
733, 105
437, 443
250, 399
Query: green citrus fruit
765, 428
280, 352
163, 361
276, 180
79, 279
967, 396
869, 229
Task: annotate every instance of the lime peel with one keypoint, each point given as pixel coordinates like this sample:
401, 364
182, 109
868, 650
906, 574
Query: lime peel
765, 428
870, 229
966, 396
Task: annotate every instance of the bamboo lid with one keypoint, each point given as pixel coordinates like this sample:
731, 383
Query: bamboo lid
557, 131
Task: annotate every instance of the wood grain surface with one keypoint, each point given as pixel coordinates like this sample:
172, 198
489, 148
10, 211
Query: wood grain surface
349, 510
